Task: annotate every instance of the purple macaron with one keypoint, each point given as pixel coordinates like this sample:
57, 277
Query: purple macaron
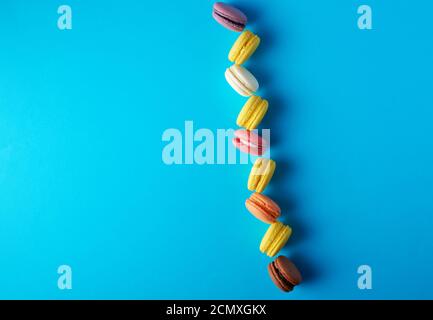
229, 17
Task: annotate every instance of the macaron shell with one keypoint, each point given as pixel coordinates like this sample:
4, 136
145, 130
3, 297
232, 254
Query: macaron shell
252, 113
250, 149
257, 171
258, 115
246, 77
242, 80
238, 45
246, 111
248, 50
270, 235
263, 208
288, 269
231, 12
228, 16
251, 137
253, 181
249, 142
259, 213
246, 44
279, 241
266, 177
266, 203
276, 278
275, 238
236, 84
227, 23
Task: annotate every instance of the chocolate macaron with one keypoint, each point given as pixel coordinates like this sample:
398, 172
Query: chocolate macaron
284, 274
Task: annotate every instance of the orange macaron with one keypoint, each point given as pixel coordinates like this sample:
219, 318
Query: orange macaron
263, 208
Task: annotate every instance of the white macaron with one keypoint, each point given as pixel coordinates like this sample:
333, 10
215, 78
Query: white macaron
241, 80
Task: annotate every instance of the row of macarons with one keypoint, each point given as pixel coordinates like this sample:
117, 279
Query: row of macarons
282, 271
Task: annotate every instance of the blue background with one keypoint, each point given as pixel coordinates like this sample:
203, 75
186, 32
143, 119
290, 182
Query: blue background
82, 181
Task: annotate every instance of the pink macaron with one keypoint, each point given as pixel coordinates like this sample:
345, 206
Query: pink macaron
229, 16
249, 142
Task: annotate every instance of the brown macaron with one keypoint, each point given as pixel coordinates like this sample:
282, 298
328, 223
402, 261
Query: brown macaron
284, 273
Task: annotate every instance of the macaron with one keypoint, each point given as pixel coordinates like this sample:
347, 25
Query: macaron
241, 80
229, 17
249, 142
260, 175
275, 238
252, 113
245, 45
284, 273
263, 208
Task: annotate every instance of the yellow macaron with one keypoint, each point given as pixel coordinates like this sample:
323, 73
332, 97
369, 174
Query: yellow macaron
244, 47
275, 238
261, 174
252, 113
